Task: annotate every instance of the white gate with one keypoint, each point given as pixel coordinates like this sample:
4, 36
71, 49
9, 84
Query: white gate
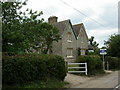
85, 66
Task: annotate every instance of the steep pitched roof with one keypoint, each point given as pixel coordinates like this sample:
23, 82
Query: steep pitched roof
62, 26
77, 28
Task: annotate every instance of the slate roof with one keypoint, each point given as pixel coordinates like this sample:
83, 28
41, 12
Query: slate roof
61, 25
77, 28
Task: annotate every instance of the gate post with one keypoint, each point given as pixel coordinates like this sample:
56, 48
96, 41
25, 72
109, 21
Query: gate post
86, 68
66, 64
107, 65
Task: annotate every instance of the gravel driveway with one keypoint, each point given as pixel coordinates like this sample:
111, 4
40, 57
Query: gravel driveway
109, 80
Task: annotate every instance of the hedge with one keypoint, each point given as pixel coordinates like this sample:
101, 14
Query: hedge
26, 68
114, 62
94, 63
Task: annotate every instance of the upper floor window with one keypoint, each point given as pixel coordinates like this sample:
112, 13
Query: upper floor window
69, 37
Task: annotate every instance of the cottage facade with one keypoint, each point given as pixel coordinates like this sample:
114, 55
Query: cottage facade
82, 38
74, 39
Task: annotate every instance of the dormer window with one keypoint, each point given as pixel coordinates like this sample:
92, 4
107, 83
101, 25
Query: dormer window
69, 37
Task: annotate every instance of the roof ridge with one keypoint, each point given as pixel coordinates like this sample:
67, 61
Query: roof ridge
63, 21
77, 28
78, 24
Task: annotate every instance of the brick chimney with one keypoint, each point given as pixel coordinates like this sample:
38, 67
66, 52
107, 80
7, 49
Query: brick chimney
52, 19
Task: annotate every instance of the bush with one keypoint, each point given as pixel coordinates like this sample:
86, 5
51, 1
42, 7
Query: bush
96, 52
114, 62
94, 63
26, 68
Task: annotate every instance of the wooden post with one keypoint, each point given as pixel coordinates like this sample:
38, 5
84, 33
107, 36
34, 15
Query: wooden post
86, 68
107, 65
66, 66
103, 63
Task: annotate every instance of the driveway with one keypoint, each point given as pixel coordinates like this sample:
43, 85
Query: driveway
109, 80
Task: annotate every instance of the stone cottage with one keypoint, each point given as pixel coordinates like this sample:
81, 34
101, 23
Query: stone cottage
74, 39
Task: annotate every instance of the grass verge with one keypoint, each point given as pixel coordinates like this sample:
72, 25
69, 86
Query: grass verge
92, 74
51, 83
73, 66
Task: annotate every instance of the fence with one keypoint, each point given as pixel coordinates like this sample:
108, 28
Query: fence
76, 67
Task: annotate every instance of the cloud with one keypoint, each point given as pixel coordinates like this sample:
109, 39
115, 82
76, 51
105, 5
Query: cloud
107, 18
101, 34
102, 11
110, 17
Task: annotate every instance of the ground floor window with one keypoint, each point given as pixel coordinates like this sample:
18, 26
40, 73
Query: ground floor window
82, 52
69, 52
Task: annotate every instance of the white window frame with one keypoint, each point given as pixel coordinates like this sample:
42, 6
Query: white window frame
69, 50
69, 37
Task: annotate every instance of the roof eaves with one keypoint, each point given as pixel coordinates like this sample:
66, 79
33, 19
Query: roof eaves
77, 28
85, 31
73, 30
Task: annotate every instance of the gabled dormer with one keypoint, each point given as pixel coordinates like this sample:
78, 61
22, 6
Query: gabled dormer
82, 38
80, 30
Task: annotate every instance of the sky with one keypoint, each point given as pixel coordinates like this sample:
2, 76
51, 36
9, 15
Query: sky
100, 17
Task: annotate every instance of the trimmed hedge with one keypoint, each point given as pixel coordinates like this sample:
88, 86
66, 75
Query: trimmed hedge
94, 63
114, 62
26, 68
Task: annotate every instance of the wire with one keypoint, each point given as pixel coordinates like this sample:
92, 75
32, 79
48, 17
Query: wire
83, 14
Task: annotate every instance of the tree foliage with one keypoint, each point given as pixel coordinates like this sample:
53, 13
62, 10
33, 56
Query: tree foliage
93, 43
11, 27
49, 34
22, 30
114, 45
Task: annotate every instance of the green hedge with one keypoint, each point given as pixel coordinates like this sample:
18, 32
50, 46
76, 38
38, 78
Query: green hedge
26, 68
94, 63
114, 62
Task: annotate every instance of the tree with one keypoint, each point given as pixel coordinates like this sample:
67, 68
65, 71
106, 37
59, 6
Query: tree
12, 36
23, 30
93, 43
106, 43
48, 35
114, 45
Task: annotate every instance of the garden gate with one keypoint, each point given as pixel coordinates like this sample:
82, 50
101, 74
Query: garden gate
77, 67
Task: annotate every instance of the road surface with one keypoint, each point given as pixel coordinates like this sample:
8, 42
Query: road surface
106, 81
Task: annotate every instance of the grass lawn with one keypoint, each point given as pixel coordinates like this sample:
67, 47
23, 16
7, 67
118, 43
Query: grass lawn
73, 66
49, 84
52, 83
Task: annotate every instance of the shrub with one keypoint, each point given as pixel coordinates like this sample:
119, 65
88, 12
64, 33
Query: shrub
94, 63
114, 62
26, 68
96, 52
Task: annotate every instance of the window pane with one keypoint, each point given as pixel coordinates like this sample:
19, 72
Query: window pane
69, 37
69, 52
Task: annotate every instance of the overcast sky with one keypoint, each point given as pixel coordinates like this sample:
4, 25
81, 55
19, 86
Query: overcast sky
100, 17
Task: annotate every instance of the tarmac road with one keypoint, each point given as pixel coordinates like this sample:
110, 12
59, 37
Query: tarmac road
106, 81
